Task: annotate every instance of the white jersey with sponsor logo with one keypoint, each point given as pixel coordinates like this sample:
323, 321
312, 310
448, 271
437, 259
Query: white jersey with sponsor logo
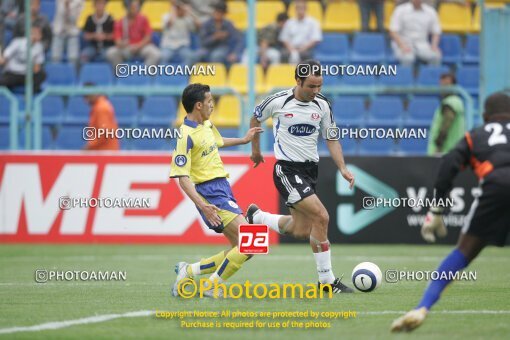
296, 124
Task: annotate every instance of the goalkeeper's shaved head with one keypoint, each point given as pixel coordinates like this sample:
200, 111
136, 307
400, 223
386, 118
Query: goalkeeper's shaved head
497, 107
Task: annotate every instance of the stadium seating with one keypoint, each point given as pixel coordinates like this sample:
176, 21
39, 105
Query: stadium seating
175, 80
238, 13
228, 112
158, 110
376, 147
348, 110
334, 48
472, 49
455, 17
386, 111
238, 78
97, 73
154, 11
429, 75
415, 146
134, 80
77, 111
52, 109
313, 9
219, 79
60, 74
281, 75
70, 138
342, 16
368, 48
331, 80
451, 48
404, 77
267, 12
469, 78
126, 109
5, 110
4, 137
421, 111
349, 146
48, 9
359, 80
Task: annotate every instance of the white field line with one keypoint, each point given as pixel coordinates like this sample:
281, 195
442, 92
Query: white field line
103, 318
68, 323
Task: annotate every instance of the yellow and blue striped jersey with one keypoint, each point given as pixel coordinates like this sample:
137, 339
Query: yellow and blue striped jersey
196, 154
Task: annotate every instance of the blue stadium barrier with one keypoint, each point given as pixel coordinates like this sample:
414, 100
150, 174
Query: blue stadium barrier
5, 106
70, 138
158, 110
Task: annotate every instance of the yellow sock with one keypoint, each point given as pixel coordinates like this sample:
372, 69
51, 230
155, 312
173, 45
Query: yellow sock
206, 266
231, 264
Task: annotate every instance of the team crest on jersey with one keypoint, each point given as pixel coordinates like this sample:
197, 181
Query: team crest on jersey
181, 160
316, 116
258, 112
233, 204
288, 115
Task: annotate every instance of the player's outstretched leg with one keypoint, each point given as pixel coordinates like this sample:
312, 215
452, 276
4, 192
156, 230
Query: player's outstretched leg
189, 271
233, 260
467, 249
278, 223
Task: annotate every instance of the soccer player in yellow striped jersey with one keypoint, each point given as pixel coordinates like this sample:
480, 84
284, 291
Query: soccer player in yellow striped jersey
197, 165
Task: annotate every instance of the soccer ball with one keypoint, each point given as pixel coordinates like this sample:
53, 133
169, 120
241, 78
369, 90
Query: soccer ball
366, 276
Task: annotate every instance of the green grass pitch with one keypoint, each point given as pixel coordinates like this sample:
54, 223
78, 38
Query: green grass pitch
467, 310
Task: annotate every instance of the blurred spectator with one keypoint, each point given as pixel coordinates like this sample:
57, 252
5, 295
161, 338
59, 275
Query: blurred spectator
102, 116
202, 8
37, 20
410, 27
374, 6
133, 37
448, 123
269, 47
98, 33
177, 28
65, 31
10, 10
15, 64
220, 40
300, 35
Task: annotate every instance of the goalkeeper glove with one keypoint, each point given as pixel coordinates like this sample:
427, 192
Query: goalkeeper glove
433, 225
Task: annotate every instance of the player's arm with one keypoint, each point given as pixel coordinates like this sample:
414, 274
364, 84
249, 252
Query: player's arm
451, 164
210, 211
250, 135
335, 149
448, 118
261, 113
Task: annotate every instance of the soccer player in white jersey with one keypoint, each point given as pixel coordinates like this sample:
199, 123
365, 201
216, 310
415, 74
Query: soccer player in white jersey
299, 115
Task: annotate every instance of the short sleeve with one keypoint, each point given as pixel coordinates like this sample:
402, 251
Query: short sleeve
217, 136
395, 24
436, 25
266, 108
327, 120
181, 158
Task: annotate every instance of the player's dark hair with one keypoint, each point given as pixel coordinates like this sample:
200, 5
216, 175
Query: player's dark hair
281, 17
497, 104
451, 76
192, 94
306, 68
